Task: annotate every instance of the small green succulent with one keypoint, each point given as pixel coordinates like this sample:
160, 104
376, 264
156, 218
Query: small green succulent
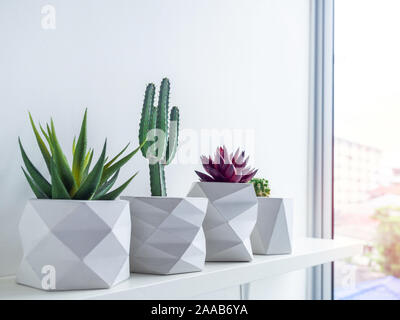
261, 187
79, 182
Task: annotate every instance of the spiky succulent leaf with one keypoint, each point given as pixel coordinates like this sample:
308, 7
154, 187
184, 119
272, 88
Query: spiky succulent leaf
48, 131
240, 161
44, 133
89, 154
78, 162
108, 172
217, 174
89, 186
236, 178
247, 177
105, 187
58, 190
88, 162
61, 162
36, 190
73, 146
204, 177
115, 193
109, 163
41, 144
36, 176
230, 171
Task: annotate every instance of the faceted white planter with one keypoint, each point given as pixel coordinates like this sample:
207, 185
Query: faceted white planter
230, 219
273, 231
167, 234
73, 244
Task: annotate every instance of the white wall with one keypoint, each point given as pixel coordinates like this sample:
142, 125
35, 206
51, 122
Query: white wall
232, 64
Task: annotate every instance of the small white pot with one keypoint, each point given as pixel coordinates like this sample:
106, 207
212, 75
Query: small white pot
73, 244
167, 234
230, 219
273, 232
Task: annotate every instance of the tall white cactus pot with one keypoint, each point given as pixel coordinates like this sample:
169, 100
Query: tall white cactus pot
167, 234
230, 219
273, 231
73, 244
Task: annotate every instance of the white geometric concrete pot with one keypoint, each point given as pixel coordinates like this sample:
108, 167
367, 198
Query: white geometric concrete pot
230, 219
73, 244
273, 231
167, 234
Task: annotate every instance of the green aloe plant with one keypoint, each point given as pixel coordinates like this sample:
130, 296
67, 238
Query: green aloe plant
79, 182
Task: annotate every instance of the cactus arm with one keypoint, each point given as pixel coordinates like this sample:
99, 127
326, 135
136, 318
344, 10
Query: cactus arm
145, 125
162, 114
150, 135
173, 135
153, 118
157, 180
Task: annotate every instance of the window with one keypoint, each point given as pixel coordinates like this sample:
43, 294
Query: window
367, 112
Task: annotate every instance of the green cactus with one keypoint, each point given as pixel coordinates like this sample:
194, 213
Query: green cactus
154, 120
261, 187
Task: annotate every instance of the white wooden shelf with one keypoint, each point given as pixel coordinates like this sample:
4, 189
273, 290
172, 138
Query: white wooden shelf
307, 252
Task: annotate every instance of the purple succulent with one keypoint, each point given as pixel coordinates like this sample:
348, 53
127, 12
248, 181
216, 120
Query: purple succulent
226, 167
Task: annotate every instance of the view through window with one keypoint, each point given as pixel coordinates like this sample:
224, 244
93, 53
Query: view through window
367, 146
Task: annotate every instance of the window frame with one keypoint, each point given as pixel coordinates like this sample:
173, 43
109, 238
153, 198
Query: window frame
321, 140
